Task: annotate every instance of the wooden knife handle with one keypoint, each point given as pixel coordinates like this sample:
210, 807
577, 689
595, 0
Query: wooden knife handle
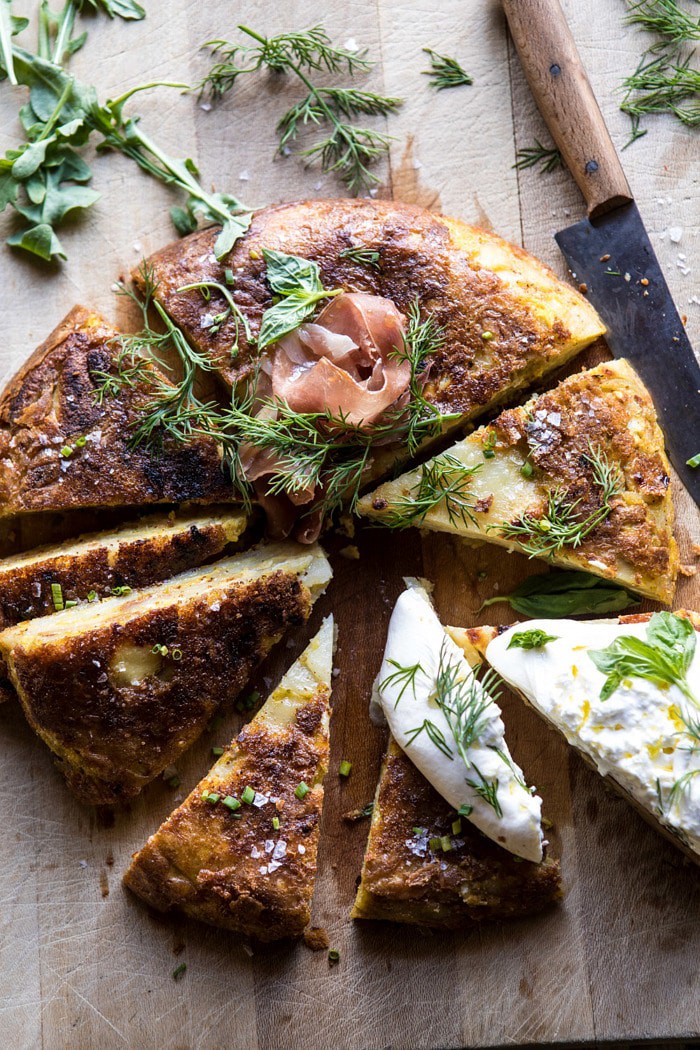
565, 99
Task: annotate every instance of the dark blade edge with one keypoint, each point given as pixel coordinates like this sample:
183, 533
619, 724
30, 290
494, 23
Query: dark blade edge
643, 323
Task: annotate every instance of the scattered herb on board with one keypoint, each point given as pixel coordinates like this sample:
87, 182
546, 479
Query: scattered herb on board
179, 971
554, 595
533, 639
44, 179
693, 462
443, 482
537, 155
349, 150
665, 80
561, 525
445, 72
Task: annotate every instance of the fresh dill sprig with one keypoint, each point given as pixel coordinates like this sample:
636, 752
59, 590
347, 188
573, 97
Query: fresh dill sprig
363, 256
445, 72
548, 159
664, 80
435, 736
665, 17
423, 339
487, 790
663, 85
561, 525
443, 481
231, 310
349, 150
403, 676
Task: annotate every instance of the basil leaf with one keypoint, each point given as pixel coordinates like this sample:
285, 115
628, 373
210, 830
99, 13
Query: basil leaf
675, 633
663, 658
287, 274
561, 594
534, 639
286, 315
129, 10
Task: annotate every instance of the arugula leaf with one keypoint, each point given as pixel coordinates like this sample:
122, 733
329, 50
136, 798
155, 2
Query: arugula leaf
533, 639
129, 10
298, 282
664, 658
561, 594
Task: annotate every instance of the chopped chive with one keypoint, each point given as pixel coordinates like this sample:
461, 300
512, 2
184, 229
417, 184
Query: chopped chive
247, 795
71, 603
333, 955
445, 843
92, 596
694, 461
465, 810
118, 592
66, 451
247, 703
179, 971
488, 449
456, 826
211, 797
276, 823
527, 469
419, 831
345, 768
217, 751
487, 336
232, 803
57, 596
173, 782
81, 442
302, 790
434, 843
176, 654
228, 276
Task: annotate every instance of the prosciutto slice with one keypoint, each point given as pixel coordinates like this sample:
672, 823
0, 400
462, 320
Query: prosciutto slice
344, 361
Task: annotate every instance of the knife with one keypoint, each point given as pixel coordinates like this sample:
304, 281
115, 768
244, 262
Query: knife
609, 252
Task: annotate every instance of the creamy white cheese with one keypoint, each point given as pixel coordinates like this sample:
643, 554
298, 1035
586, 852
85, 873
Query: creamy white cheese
416, 639
636, 737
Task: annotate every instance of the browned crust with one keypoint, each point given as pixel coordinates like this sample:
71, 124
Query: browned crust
206, 863
609, 409
480, 638
51, 402
25, 589
406, 882
113, 737
422, 255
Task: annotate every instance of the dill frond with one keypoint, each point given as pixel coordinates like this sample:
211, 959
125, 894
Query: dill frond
445, 72
538, 155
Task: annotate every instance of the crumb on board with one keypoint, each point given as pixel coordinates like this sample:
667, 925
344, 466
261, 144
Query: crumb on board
316, 938
687, 570
350, 552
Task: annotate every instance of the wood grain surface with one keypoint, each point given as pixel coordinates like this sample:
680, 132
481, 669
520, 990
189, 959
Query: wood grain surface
82, 964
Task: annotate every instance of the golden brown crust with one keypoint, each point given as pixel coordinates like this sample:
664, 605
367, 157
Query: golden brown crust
457, 272
405, 881
605, 410
115, 735
86, 565
215, 867
50, 403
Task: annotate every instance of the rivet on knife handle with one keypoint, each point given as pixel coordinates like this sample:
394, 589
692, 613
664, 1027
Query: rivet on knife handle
565, 99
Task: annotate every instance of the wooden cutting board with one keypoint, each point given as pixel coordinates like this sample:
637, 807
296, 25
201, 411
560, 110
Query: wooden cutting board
84, 965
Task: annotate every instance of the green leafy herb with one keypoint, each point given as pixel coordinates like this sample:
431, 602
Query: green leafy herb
665, 17
231, 310
555, 595
534, 639
547, 159
349, 150
664, 658
445, 72
561, 525
403, 676
443, 481
363, 257
297, 282
424, 337
487, 790
434, 734
693, 462
44, 178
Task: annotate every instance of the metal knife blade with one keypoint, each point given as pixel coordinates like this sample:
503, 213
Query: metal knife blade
610, 251
612, 256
